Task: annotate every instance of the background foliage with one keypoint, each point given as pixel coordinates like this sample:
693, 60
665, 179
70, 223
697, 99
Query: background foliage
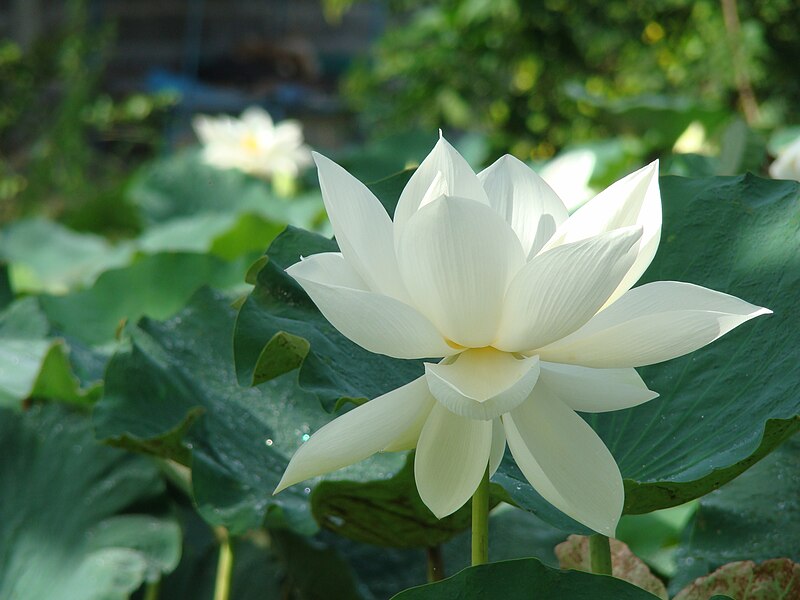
539, 76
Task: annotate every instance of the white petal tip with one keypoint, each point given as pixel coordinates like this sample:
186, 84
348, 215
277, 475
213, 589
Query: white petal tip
320, 159
284, 483
442, 513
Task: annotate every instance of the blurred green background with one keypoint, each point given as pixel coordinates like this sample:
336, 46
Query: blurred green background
91, 90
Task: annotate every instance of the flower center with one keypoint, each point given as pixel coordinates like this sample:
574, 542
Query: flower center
250, 143
482, 383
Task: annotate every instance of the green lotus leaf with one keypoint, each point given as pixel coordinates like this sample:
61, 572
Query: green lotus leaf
156, 285
173, 392
33, 364
518, 579
754, 517
67, 528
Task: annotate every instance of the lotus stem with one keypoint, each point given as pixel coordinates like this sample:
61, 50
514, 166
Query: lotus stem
480, 521
152, 589
600, 554
435, 563
222, 587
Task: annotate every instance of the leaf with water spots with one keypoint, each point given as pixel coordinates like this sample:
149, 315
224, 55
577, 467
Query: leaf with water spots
68, 527
754, 517
174, 393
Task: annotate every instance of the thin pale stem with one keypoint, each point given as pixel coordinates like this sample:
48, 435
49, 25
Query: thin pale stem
222, 587
600, 554
480, 521
435, 563
152, 589
747, 97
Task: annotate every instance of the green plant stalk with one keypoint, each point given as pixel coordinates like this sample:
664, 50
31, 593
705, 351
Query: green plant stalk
600, 554
152, 590
222, 586
480, 521
435, 563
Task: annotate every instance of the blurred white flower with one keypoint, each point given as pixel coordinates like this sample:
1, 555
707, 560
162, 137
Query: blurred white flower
569, 174
787, 165
253, 144
532, 310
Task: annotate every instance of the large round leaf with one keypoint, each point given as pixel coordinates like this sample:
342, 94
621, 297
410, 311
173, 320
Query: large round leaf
32, 364
756, 517
728, 405
174, 393
63, 527
522, 578
156, 285
47, 257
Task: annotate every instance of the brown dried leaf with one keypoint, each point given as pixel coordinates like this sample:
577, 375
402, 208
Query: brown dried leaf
776, 579
574, 554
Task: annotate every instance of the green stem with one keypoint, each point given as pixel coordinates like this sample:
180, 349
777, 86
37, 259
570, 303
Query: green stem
222, 587
152, 589
600, 554
480, 521
435, 563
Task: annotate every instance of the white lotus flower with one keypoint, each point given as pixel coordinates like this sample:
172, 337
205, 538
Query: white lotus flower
531, 311
787, 165
253, 143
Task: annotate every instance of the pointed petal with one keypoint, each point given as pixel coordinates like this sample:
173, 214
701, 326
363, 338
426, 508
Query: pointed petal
445, 168
376, 322
561, 289
650, 324
595, 390
451, 458
498, 445
362, 228
358, 434
633, 200
524, 200
482, 384
558, 452
457, 258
